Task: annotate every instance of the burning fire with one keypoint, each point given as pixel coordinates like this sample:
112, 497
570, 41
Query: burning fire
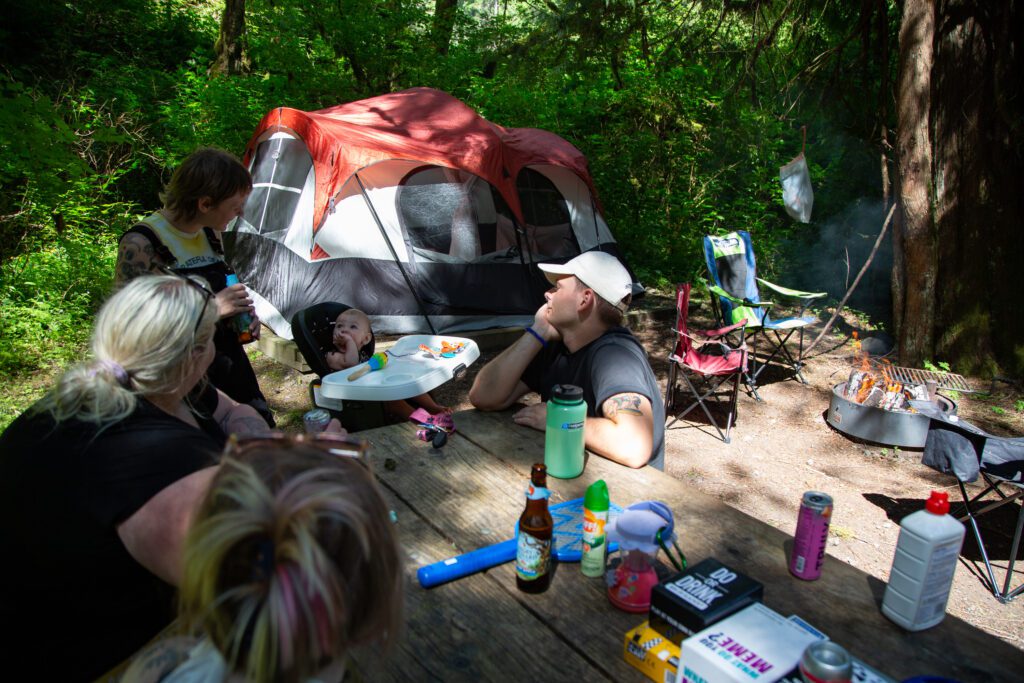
878, 388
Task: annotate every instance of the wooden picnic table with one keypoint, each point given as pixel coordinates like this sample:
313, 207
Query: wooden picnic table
470, 494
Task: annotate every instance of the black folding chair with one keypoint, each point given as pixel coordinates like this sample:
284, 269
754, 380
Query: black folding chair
955, 446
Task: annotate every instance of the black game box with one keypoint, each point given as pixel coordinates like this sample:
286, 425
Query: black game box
698, 597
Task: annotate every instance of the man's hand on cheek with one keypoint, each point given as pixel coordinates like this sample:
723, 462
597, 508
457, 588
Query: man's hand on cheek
542, 326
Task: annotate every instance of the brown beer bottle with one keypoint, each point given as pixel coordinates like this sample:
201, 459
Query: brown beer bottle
533, 552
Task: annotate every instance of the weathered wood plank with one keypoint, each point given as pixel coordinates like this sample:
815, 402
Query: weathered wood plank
471, 630
475, 500
472, 494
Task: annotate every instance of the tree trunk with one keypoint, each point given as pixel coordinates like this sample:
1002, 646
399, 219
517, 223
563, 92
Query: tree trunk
443, 24
916, 267
976, 114
230, 48
961, 158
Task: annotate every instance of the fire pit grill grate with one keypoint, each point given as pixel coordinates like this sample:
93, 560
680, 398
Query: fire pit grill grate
943, 380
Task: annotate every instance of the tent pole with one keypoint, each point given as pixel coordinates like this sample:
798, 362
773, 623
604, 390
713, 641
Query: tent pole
525, 254
593, 212
394, 254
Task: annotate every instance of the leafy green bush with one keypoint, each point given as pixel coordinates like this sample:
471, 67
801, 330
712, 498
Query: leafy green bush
51, 289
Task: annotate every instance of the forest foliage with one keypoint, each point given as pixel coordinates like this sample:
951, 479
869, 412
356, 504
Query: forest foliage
685, 110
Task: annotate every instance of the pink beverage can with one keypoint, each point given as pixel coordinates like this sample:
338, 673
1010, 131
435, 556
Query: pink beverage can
811, 535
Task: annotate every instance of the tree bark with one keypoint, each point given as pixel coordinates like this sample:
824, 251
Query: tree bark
976, 114
232, 56
961, 158
914, 278
443, 24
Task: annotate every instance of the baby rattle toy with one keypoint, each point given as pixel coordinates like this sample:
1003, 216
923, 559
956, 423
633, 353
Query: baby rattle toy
377, 362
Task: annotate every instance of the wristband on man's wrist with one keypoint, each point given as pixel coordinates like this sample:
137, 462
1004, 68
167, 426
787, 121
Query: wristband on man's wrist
542, 340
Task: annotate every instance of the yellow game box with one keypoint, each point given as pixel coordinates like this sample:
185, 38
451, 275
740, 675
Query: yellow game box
651, 653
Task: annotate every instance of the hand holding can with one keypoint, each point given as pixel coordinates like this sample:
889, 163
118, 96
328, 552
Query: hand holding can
316, 420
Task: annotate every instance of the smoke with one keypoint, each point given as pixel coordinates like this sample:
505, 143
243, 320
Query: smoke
819, 262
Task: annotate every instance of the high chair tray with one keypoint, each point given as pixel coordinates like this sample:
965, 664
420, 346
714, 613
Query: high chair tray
410, 370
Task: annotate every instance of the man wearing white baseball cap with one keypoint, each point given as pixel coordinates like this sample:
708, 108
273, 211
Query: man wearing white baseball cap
577, 338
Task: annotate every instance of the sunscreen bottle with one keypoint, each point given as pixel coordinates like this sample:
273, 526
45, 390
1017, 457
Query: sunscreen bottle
922, 570
595, 541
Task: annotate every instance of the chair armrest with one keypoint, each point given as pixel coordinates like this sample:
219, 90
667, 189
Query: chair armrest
715, 289
722, 331
794, 293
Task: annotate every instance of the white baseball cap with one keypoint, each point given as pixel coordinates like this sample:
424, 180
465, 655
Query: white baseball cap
598, 271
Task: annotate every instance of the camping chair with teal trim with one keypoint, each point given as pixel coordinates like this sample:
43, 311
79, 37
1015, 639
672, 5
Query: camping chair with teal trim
733, 269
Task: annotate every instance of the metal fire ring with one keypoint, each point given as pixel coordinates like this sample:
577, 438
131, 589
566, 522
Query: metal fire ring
888, 427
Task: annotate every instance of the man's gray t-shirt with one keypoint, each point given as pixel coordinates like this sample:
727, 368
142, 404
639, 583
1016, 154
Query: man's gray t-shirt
614, 363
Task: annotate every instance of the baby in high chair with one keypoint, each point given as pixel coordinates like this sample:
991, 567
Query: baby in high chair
352, 334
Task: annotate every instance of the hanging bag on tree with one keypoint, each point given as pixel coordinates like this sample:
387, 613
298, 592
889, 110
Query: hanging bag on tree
797, 195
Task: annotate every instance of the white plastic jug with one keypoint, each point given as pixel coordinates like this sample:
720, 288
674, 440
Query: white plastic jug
924, 564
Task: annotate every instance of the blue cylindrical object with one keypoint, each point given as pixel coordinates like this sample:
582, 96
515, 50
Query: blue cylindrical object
243, 320
466, 564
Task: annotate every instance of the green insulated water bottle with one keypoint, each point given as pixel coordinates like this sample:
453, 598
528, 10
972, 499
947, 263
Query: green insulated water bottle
563, 439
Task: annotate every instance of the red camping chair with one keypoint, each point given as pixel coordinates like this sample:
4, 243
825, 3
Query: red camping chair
713, 362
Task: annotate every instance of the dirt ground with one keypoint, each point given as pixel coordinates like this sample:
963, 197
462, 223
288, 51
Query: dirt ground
783, 446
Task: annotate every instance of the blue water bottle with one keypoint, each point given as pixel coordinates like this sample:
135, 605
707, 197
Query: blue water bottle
563, 438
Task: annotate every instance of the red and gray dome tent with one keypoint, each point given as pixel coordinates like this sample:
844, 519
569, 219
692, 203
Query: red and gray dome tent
413, 208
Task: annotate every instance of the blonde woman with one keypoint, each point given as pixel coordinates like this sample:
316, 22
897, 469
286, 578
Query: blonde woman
99, 480
292, 560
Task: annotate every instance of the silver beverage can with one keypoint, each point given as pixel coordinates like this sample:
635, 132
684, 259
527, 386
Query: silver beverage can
316, 420
826, 662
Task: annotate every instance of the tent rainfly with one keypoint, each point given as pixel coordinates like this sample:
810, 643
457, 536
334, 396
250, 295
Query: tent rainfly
413, 208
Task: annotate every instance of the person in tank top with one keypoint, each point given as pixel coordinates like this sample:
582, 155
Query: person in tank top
206, 192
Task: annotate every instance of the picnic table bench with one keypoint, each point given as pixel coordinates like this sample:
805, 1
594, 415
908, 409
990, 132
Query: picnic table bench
470, 494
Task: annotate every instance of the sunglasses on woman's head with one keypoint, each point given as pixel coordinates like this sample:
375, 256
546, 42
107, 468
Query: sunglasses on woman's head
329, 443
204, 289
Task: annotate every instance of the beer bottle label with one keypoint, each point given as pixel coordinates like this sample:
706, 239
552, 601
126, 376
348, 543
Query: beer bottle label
532, 557
537, 492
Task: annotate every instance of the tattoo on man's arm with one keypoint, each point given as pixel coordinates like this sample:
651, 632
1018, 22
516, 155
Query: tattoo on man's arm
625, 404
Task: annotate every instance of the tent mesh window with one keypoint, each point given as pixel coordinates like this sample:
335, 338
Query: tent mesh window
279, 172
547, 216
447, 214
